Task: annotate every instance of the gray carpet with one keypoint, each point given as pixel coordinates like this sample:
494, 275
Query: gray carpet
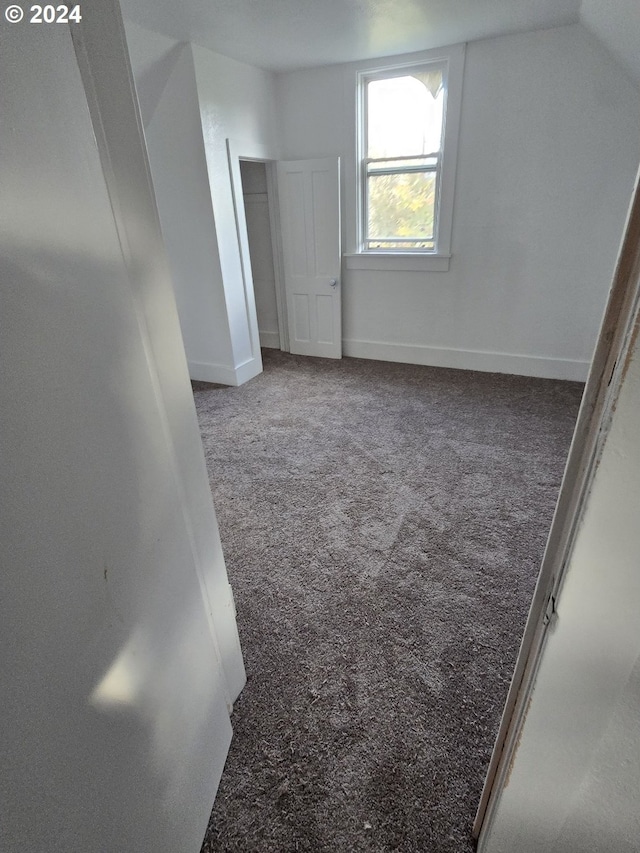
383, 525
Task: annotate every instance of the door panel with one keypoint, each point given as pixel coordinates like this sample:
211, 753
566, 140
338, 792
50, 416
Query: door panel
301, 318
294, 222
309, 194
324, 313
324, 222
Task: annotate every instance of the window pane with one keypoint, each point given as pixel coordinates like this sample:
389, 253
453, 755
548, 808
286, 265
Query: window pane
401, 206
405, 115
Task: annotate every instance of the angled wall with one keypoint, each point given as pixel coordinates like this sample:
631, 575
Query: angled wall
119, 656
165, 82
617, 25
191, 102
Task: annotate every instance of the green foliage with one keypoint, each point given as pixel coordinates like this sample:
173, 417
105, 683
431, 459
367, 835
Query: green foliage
402, 206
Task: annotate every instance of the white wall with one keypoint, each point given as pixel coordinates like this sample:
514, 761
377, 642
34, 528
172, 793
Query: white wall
548, 151
192, 101
617, 23
256, 208
118, 650
574, 784
166, 86
549, 146
237, 103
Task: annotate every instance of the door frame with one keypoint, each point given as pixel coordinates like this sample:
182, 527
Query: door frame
598, 402
255, 152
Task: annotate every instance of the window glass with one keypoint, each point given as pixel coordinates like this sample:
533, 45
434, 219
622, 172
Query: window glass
404, 116
403, 159
401, 206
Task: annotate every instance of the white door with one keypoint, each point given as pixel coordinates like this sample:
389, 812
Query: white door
309, 194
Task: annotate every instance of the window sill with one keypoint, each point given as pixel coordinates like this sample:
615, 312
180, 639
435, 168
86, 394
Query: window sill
398, 262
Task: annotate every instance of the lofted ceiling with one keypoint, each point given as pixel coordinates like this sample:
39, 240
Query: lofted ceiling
281, 35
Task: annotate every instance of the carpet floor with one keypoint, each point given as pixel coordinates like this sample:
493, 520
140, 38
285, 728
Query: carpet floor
383, 525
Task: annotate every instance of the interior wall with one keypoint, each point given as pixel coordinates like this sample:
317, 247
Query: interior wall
193, 101
118, 652
548, 150
256, 206
574, 782
166, 87
237, 104
617, 24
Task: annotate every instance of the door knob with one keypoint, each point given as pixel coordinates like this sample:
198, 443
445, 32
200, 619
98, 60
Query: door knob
334, 282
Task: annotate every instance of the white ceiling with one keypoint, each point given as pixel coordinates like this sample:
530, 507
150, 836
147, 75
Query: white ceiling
285, 34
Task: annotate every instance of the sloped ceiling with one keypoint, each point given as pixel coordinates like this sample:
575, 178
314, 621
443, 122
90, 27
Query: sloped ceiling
617, 24
286, 34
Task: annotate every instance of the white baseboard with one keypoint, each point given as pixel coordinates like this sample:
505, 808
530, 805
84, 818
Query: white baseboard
270, 340
206, 372
224, 375
248, 369
488, 362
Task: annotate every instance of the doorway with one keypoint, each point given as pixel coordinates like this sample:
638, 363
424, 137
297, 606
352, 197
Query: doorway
288, 223
263, 250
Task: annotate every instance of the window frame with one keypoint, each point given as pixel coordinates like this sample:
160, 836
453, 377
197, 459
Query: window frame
451, 61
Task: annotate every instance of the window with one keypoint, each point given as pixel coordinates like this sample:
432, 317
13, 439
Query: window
402, 163
409, 117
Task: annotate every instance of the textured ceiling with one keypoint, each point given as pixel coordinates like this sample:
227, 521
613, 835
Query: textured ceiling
285, 34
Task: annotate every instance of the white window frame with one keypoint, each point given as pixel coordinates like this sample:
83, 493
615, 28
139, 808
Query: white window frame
451, 60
